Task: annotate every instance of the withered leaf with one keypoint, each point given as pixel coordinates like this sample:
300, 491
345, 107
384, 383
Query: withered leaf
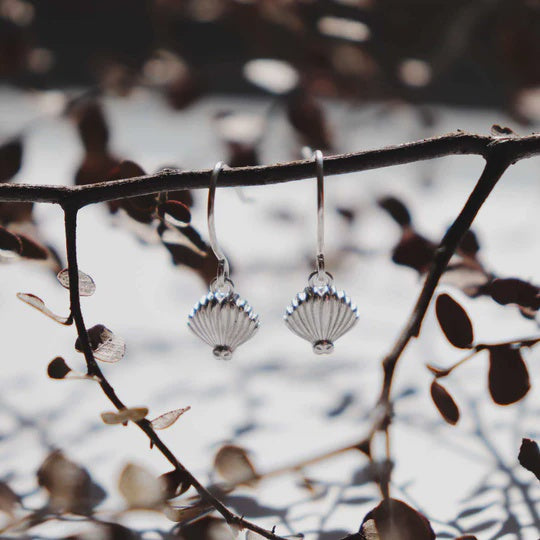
176, 482
10, 241
140, 488
395, 520
92, 126
57, 368
180, 514
174, 213
233, 464
469, 245
39, 304
437, 371
87, 287
529, 456
515, 291
454, 322
9, 500
169, 418
445, 403
396, 209
107, 346
206, 528
10, 159
30, 249
414, 251
508, 376
69, 485
15, 212
124, 415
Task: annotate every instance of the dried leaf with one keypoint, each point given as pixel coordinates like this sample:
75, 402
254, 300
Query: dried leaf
395, 520
207, 528
469, 245
9, 500
10, 241
10, 159
140, 488
529, 456
169, 418
414, 251
107, 346
39, 304
397, 210
234, 465
454, 322
180, 514
437, 371
92, 127
69, 485
124, 415
15, 212
87, 287
508, 376
176, 483
174, 213
445, 403
30, 249
515, 291
57, 368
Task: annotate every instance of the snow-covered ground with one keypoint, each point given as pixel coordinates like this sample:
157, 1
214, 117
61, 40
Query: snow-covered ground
275, 398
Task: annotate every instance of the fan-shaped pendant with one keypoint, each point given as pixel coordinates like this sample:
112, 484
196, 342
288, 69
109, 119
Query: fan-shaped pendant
224, 321
321, 314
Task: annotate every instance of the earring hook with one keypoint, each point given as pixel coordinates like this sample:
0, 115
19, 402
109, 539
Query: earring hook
320, 211
222, 280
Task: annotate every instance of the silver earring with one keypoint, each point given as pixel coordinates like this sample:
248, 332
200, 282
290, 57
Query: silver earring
321, 314
221, 318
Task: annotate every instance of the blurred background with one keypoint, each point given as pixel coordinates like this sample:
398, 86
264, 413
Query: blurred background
107, 89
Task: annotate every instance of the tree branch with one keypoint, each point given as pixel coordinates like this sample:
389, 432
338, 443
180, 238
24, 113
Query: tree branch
169, 180
93, 369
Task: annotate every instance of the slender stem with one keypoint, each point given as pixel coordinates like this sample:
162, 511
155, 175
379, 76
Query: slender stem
496, 165
168, 180
70, 213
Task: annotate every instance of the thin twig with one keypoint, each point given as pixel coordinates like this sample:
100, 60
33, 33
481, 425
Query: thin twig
93, 369
169, 180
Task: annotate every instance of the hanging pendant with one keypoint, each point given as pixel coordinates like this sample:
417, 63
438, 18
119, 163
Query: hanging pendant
320, 314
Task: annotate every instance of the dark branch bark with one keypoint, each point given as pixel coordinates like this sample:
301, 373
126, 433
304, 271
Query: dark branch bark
454, 143
93, 369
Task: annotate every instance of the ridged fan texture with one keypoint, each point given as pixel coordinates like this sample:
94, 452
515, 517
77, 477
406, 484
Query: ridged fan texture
321, 314
224, 321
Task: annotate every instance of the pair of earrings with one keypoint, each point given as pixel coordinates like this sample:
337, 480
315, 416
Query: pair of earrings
319, 314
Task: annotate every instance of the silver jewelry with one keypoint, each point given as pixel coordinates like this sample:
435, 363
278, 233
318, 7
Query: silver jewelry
221, 318
321, 314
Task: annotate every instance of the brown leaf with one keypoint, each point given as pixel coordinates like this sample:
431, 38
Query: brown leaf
529, 456
10, 241
437, 371
508, 376
445, 403
396, 209
124, 415
87, 287
15, 212
414, 251
469, 245
92, 126
174, 213
168, 419
69, 485
30, 249
11, 154
57, 368
176, 483
180, 514
515, 291
454, 322
9, 500
140, 488
206, 528
39, 304
395, 520
234, 465
107, 346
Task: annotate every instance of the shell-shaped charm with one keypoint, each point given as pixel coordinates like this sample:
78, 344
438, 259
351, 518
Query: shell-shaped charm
321, 315
224, 321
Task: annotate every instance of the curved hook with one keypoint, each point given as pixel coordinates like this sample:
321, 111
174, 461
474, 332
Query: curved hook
223, 263
320, 210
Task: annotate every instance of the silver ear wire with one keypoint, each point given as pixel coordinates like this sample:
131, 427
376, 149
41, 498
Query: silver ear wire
221, 318
320, 314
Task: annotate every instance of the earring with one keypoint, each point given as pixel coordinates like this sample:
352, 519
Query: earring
321, 314
221, 318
